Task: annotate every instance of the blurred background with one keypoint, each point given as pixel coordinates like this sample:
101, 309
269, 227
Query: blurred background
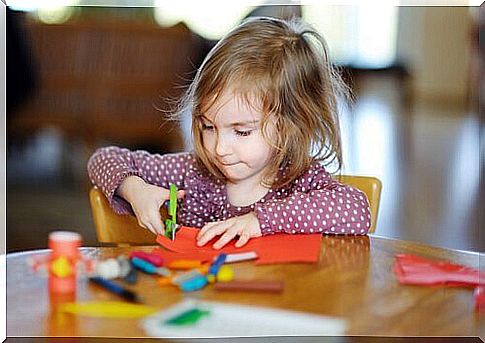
80, 77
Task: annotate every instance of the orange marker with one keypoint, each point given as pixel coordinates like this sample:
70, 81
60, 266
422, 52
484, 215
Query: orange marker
165, 281
184, 264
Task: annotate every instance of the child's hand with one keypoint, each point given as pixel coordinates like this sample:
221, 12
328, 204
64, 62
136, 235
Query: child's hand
146, 200
245, 226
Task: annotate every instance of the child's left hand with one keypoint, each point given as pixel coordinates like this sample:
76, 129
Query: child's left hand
245, 226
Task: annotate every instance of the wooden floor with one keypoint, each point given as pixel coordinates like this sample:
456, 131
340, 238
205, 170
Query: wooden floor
426, 155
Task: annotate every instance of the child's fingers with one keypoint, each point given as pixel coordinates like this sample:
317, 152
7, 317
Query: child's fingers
225, 238
156, 222
243, 239
158, 227
180, 194
205, 228
212, 232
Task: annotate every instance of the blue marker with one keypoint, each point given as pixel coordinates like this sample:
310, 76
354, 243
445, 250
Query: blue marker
149, 268
115, 288
215, 266
194, 284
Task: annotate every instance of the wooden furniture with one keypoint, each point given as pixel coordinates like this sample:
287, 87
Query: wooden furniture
353, 280
124, 229
108, 80
372, 187
115, 228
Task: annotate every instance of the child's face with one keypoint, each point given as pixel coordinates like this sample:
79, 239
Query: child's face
232, 137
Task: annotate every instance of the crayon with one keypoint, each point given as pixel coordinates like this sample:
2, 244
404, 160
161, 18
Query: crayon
115, 288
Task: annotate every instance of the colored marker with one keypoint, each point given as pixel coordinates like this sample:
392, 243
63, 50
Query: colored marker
194, 284
215, 266
132, 276
149, 268
152, 258
115, 288
184, 264
180, 278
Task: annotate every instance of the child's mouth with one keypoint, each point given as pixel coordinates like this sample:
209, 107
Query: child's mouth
231, 164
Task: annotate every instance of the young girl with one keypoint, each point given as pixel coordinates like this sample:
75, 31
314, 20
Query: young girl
264, 124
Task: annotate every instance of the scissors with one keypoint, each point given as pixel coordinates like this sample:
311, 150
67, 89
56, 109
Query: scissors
171, 222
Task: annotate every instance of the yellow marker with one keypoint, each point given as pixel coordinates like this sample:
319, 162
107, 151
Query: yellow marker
60, 267
107, 309
225, 274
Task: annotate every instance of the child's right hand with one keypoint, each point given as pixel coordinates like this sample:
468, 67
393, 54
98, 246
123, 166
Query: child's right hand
146, 200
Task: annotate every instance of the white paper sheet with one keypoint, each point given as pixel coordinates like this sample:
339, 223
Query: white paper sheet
230, 320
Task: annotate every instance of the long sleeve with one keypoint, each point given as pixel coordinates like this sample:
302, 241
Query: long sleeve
108, 167
315, 203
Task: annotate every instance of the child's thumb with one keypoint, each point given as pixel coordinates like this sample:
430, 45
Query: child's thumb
180, 194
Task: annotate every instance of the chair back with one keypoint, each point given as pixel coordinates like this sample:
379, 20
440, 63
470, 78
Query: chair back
115, 228
372, 187
124, 229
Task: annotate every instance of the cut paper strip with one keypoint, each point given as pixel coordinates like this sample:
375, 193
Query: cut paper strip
107, 309
278, 248
415, 270
284, 248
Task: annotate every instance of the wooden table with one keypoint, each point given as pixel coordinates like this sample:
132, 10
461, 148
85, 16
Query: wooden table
353, 280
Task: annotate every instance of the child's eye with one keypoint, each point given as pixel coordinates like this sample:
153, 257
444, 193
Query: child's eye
206, 127
243, 133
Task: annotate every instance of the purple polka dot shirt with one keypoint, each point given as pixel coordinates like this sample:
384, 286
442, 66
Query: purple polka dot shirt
312, 203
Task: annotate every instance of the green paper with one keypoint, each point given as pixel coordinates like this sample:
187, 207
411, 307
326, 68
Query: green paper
189, 317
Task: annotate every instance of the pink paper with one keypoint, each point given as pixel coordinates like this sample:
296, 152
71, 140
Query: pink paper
278, 248
415, 270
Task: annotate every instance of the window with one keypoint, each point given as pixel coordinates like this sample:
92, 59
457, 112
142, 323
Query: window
362, 36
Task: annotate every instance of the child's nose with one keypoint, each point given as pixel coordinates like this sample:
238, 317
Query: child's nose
222, 147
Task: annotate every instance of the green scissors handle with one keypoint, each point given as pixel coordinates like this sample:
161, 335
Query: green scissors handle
171, 222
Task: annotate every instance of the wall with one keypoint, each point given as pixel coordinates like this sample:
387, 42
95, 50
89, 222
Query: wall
434, 42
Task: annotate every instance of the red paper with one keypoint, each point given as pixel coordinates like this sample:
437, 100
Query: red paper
415, 270
278, 248
479, 296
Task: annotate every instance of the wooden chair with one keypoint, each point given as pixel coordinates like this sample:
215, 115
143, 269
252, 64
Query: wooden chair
372, 187
124, 229
114, 228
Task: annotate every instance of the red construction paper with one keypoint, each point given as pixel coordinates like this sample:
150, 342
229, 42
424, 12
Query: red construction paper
415, 270
479, 296
278, 248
